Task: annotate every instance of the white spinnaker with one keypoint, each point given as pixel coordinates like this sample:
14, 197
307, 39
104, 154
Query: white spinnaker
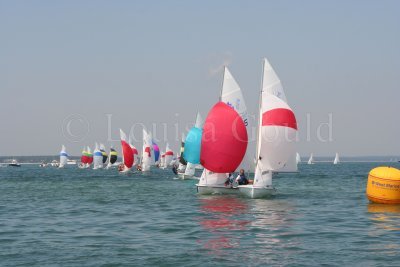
63, 157
276, 143
97, 157
232, 95
147, 145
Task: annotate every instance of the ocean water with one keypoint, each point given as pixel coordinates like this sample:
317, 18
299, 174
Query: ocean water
74, 217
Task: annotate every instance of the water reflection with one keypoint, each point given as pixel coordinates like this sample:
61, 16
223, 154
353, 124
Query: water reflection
385, 216
222, 217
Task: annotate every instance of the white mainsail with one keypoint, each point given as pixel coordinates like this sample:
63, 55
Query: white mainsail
63, 157
271, 82
336, 160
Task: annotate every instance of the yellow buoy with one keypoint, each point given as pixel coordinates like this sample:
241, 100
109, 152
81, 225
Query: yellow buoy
383, 185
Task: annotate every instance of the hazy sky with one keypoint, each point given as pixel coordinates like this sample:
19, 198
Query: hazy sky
65, 65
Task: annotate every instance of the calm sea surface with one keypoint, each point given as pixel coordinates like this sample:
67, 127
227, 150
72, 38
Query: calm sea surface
73, 217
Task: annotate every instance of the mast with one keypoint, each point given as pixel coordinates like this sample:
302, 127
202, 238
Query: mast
259, 114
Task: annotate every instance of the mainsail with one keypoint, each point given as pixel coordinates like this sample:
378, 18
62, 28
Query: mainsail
63, 157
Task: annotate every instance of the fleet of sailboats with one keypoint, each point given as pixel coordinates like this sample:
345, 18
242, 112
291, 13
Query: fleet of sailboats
219, 145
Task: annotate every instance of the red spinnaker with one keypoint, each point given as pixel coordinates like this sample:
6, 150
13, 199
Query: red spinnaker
224, 139
128, 154
84, 159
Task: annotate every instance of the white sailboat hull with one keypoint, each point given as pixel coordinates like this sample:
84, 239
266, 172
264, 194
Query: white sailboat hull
256, 192
215, 189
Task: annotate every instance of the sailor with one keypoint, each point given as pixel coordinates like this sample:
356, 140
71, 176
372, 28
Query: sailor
241, 179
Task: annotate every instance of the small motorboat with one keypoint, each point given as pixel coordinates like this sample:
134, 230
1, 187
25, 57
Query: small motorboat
14, 163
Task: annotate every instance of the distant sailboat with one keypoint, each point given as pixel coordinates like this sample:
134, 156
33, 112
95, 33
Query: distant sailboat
89, 157
146, 153
63, 157
127, 154
112, 158
182, 161
97, 158
134, 151
336, 160
298, 158
311, 159
192, 148
276, 119
169, 154
103, 153
156, 151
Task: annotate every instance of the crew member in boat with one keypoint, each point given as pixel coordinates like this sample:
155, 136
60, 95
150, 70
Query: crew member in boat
121, 167
139, 167
241, 179
229, 180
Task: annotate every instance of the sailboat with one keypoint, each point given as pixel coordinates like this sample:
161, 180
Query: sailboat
146, 153
156, 151
89, 157
298, 158
336, 160
162, 161
127, 154
191, 152
182, 161
134, 151
84, 159
112, 158
311, 159
63, 157
169, 154
97, 158
103, 153
277, 129
224, 139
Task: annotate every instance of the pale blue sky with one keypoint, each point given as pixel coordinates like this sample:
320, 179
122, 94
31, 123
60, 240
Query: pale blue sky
151, 60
